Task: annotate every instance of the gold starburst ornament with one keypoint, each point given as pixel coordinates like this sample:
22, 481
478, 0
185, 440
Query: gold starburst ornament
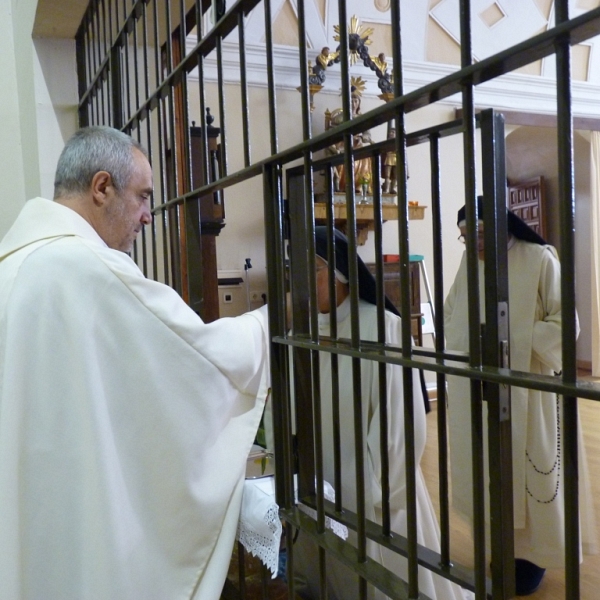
356, 33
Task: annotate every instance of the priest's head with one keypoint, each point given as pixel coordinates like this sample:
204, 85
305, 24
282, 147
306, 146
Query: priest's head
104, 175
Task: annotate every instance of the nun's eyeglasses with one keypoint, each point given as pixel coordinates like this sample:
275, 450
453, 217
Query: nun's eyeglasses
462, 238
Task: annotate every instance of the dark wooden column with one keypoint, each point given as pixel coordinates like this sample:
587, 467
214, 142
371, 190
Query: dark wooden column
211, 213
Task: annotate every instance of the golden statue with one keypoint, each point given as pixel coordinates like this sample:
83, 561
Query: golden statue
390, 183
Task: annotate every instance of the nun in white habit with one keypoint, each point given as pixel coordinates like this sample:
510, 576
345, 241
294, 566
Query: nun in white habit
535, 346
342, 583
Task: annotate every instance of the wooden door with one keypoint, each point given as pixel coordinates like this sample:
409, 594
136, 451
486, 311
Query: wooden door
527, 200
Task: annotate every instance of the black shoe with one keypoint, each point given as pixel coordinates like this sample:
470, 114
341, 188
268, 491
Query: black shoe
528, 577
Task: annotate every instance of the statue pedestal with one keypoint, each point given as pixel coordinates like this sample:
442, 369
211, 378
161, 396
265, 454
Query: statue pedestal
365, 213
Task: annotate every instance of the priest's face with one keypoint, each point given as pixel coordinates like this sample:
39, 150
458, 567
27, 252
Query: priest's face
128, 209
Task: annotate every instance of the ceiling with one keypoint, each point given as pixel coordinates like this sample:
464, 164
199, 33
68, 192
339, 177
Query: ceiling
58, 19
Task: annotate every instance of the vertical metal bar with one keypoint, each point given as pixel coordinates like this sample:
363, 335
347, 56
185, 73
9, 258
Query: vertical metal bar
136, 79
95, 104
102, 104
314, 320
496, 354
278, 326
111, 33
94, 48
149, 135
202, 94
569, 431
168, 38
241, 569
354, 299
157, 47
382, 367
80, 51
161, 145
289, 536
182, 29
127, 79
89, 48
271, 77
164, 190
305, 102
222, 117
195, 274
411, 466
442, 416
104, 36
474, 312
314, 335
244, 90
335, 377
299, 284
116, 87
264, 578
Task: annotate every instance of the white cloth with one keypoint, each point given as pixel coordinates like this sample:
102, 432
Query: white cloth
535, 346
125, 422
341, 582
259, 529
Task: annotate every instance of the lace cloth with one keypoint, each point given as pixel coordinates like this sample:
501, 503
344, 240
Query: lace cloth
259, 527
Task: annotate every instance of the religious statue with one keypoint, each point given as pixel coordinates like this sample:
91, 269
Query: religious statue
389, 168
362, 176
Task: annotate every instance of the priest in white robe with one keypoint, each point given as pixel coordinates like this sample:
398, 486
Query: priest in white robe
535, 347
125, 421
342, 583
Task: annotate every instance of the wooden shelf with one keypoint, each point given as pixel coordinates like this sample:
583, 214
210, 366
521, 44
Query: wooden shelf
364, 216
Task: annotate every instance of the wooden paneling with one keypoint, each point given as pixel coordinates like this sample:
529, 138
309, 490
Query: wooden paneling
391, 285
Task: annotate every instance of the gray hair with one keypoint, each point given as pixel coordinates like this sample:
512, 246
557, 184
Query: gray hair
94, 149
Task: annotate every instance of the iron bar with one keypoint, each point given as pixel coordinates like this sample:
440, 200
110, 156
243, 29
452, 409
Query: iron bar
496, 339
244, 90
222, 117
382, 367
438, 286
271, 77
100, 72
566, 209
333, 332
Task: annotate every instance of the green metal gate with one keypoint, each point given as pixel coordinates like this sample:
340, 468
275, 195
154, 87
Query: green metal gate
134, 71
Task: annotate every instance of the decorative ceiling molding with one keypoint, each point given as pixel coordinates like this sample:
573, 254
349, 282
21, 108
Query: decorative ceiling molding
549, 63
514, 91
521, 20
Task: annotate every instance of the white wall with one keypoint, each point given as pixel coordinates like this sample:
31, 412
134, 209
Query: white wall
532, 151
38, 100
18, 142
56, 104
243, 235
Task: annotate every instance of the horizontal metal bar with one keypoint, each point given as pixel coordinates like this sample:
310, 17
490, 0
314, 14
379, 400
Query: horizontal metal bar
443, 130
128, 26
390, 355
542, 45
347, 554
220, 184
426, 557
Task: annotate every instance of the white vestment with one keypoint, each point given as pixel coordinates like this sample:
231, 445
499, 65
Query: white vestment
342, 583
125, 422
535, 346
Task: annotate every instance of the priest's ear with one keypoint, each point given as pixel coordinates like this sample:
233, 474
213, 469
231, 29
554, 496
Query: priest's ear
102, 187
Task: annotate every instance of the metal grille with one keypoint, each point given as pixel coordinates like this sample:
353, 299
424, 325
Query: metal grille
134, 73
